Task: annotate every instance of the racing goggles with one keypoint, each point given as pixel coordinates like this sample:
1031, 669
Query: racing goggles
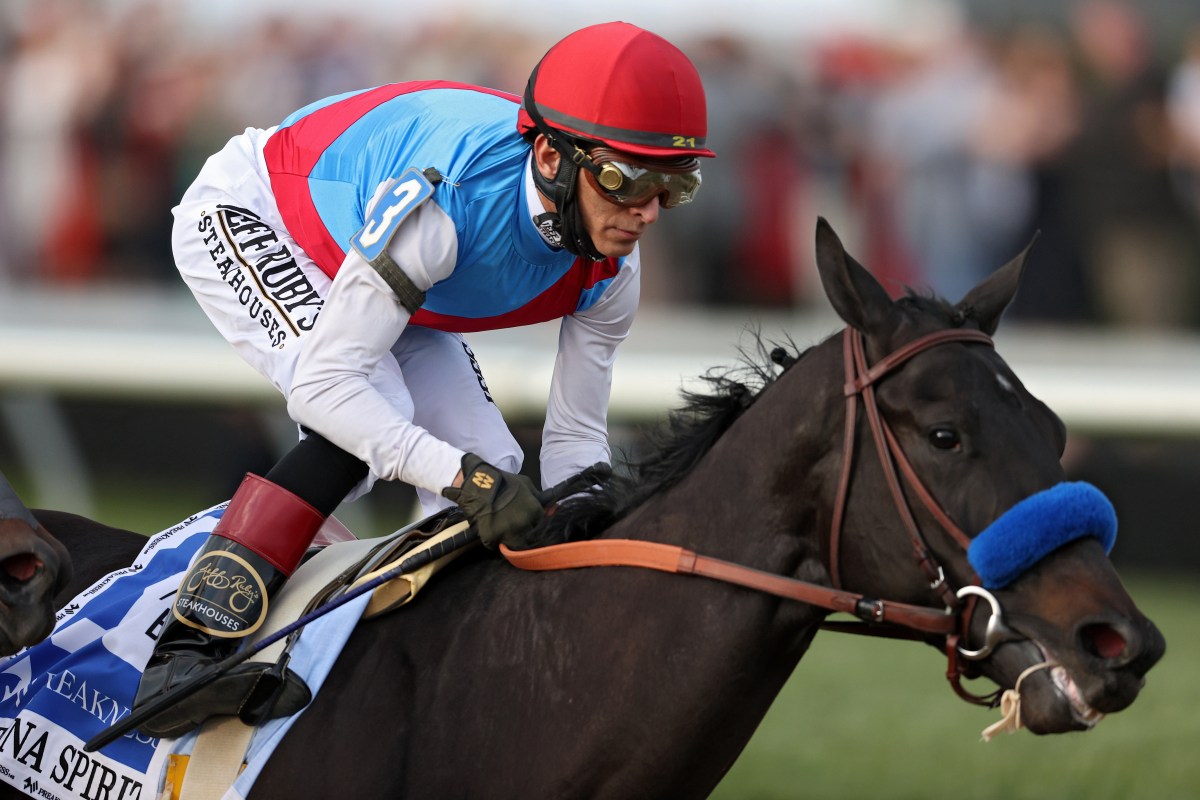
631, 182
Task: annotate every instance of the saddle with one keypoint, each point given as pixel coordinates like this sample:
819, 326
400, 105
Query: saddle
383, 554
220, 748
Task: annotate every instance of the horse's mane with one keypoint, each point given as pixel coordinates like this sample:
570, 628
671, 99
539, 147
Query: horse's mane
690, 430
673, 448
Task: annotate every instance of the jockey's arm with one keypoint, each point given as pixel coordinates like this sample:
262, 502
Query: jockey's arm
347, 384
576, 430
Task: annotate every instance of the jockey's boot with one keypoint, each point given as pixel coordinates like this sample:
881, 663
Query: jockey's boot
255, 546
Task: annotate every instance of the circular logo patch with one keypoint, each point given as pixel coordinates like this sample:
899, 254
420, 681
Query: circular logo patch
222, 595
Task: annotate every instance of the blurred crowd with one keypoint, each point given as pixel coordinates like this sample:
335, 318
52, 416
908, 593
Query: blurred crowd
936, 150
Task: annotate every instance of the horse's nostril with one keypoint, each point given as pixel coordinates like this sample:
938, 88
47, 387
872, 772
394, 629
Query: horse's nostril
21, 567
1103, 641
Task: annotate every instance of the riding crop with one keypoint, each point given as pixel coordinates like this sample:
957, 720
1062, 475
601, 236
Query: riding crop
588, 477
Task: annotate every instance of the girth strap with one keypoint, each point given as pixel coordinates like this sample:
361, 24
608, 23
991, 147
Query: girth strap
681, 561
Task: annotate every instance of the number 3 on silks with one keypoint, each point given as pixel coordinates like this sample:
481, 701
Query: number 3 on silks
399, 199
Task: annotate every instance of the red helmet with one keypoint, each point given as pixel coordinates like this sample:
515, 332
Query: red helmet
623, 86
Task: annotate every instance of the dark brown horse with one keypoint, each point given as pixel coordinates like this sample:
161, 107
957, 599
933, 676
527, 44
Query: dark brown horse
621, 682
34, 567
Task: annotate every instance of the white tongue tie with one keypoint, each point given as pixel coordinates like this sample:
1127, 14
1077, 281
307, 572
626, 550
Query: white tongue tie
1010, 705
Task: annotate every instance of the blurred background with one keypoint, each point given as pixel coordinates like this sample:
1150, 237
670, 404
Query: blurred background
937, 136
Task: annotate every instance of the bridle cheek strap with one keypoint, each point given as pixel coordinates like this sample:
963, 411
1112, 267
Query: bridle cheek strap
860, 383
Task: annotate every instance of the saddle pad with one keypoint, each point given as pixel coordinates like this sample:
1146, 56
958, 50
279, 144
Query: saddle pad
58, 694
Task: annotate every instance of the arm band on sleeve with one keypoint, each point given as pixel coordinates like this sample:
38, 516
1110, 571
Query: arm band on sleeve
410, 297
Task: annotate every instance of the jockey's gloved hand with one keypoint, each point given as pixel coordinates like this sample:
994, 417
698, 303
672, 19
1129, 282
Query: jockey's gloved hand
501, 506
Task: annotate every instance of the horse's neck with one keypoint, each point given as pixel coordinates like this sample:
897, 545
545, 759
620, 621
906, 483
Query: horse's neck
753, 499
762, 494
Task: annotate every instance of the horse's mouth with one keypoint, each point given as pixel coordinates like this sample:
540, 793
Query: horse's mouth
1045, 698
1083, 713
20, 568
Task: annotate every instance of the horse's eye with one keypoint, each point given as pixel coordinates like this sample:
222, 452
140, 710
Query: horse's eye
944, 438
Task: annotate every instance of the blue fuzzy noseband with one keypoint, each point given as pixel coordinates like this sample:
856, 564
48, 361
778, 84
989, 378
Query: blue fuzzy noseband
1039, 525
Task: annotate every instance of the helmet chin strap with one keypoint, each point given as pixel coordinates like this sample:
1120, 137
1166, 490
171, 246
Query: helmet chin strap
562, 189
563, 193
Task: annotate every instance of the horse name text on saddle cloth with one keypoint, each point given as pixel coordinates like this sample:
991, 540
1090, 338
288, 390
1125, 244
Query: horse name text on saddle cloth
58, 694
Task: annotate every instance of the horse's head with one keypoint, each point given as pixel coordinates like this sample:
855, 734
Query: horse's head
33, 568
969, 443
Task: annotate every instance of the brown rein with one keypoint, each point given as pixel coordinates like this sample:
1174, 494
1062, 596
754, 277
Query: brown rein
951, 622
680, 561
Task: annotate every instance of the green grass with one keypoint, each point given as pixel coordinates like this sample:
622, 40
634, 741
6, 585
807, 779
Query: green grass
160, 506
155, 505
868, 718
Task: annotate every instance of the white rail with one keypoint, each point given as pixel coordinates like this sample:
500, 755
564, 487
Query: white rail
152, 346
157, 346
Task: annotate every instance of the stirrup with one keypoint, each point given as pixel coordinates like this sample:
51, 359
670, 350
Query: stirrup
254, 692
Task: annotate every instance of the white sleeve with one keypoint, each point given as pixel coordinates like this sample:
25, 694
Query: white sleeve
576, 431
348, 386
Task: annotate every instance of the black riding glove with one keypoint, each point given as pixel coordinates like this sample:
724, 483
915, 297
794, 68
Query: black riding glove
501, 506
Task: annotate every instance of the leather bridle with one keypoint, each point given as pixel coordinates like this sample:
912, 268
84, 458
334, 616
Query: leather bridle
860, 384
882, 618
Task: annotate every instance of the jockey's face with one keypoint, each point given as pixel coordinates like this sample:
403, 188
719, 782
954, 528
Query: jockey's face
614, 229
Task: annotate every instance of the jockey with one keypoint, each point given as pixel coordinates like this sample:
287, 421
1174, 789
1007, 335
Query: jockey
402, 217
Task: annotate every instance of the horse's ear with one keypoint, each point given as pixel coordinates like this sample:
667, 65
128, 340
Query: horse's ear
987, 301
855, 294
